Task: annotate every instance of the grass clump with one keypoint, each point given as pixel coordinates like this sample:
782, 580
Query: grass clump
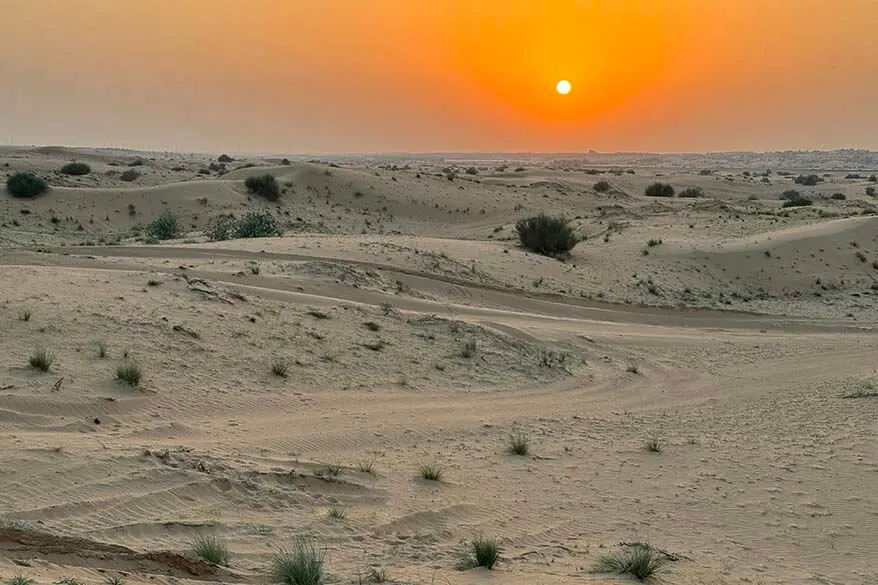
263, 185
602, 186
638, 560
280, 368
468, 349
336, 513
329, 471
26, 185
25, 315
485, 551
518, 443
430, 471
75, 169
548, 236
20, 580
129, 371
164, 227
114, 580
102, 349
653, 445
366, 466
41, 359
211, 548
303, 564
660, 190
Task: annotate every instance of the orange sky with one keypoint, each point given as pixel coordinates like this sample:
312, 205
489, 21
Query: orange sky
430, 75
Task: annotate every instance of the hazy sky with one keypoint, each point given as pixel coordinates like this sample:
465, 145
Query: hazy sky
440, 75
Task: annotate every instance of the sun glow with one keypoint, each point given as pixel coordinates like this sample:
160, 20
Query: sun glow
563, 87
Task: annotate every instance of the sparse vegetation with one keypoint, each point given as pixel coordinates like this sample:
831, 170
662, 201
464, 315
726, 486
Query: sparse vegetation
336, 513
102, 349
430, 471
75, 169
638, 560
692, 193
660, 190
20, 580
114, 580
329, 471
468, 349
25, 315
211, 548
303, 564
653, 445
129, 371
548, 236
366, 466
41, 359
263, 185
26, 184
518, 443
602, 186
164, 227
485, 551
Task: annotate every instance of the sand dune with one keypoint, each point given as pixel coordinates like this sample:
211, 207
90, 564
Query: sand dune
412, 329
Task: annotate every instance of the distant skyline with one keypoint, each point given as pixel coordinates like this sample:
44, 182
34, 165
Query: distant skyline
395, 76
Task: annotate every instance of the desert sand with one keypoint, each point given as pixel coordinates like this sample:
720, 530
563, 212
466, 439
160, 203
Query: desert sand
415, 330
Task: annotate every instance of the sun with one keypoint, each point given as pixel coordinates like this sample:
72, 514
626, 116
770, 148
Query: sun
563, 87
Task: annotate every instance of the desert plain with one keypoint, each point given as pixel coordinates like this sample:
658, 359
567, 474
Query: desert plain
698, 374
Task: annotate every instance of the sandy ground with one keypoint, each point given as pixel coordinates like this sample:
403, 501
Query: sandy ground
416, 331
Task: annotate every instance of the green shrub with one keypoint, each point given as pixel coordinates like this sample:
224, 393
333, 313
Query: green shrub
301, 565
793, 198
223, 228
486, 551
211, 548
638, 560
549, 236
263, 185
430, 471
518, 443
128, 371
692, 192
472, 171
26, 185
164, 227
807, 180
602, 186
76, 169
41, 359
257, 224
129, 175
660, 190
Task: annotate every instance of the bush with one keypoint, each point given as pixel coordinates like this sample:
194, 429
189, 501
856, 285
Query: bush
164, 227
41, 359
793, 198
518, 443
224, 158
76, 169
838, 196
128, 371
870, 191
472, 171
257, 224
692, 192
26, 185
211, 548
602, 186
660, 190
264, 186
223, 228
486, 552
549, 236
807, 180
853, 176
430, 471
129, 175
873, 178
301, 565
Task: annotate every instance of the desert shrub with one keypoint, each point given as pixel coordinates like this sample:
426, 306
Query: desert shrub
472, 171
264, 186
430, 471
692, 192
26, 185
602, 186
838, 196
303, 564
164, 227
224, 158
873, 178
129, 371
808, 180
41, 359
222, 228
653, 445
137, 162
518, 443
853, 176
870, 191
549, 236
639, 560
129, 175
211, 548
485, 551
76, 169
285, 162
256, 224
280, 368
660, 190
217, 167
793, 198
